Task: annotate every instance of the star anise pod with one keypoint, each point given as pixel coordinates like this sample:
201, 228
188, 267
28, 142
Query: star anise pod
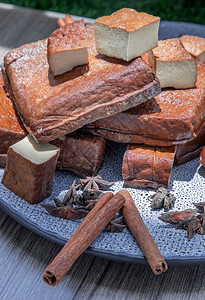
89, 194
95, 183
201, 217
186, 219
200, 206
162, 199
79, 199
175, 217
71, 196
116, 225
66, 212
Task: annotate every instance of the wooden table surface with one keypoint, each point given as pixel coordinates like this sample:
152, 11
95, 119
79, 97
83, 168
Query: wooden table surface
24, 255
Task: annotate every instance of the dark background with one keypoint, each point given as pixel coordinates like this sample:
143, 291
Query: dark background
181, 10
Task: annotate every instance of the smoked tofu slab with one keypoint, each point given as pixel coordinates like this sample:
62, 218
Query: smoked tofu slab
10, 128
173, 65
83, 154
200, 83
190, 150
30, 169
202, 157
126, 33
173, 117
67, 48
195, 45
51, 107
146, 166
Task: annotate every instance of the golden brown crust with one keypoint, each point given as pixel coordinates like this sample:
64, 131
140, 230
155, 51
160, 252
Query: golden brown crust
146, 166
172, 117
127, 19
171, 50
190, 150
195, 45
51, 107
69, 37
10, 129
200, 83
202, 157
3, 160
82, 154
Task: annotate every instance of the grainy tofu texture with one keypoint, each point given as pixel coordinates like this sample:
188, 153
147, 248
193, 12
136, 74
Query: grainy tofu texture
67, 48
30, 168
174, 66
195, 45
126, 34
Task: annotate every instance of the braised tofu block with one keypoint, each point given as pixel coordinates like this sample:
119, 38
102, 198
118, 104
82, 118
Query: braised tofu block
174, 66
30, 168
126, 34
202, 157
200, 83
67, 48
190, 150
173, 117
195, 45
10, 128
3, 160
53, 106
146, 166
83, 154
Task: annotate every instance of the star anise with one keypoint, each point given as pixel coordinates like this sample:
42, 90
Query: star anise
95, 183
71, 196
79, 199
66, 212
162, 199
187, 220
116, 225
200, 206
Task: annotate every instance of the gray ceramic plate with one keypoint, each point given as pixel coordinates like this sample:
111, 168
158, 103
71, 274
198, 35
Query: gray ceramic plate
187, 183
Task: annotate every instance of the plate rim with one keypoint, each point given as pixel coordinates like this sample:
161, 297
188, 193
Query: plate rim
107, 254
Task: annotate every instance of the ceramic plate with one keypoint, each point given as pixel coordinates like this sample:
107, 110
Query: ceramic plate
187, 183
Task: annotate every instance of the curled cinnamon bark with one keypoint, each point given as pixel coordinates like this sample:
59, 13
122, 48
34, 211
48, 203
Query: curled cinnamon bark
67, 20
85, 234
140, 232
61, 22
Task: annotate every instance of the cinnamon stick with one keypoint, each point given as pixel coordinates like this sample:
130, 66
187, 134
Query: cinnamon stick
67, 20
142, 235
61, 22
85, 234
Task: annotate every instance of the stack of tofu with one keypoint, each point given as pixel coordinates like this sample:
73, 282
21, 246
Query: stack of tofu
63, 96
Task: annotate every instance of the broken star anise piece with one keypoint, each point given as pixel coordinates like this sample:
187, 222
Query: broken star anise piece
200, 206
186, 219
90, 204
162, 199
89, 194
71, 196
175, 217
66, 212
95, 183
116, 225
